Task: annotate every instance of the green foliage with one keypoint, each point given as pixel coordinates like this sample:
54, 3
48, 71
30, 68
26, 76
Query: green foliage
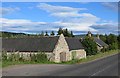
52, 33
113, 46
104, 49
90, 46
42, 33
118, 38
103, 37
4, 56
92, 57
72, 34
46, 33
60, 31
65, 32
112, 40
39, 57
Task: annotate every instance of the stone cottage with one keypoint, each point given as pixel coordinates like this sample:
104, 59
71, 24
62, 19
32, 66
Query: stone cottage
56, 48
100, 44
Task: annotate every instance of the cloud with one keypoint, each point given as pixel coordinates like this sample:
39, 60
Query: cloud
28, 26
51, 8
22, 25
7, 10
70, 17
106, 27
111, 5
60, 11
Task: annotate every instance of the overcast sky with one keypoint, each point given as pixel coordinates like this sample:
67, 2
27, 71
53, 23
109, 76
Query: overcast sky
79, 17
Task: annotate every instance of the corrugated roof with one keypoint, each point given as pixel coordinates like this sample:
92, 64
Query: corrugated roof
74, 43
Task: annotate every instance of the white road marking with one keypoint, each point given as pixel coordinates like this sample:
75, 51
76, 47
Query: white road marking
101, 70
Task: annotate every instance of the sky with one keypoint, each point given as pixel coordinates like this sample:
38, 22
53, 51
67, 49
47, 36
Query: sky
79, 17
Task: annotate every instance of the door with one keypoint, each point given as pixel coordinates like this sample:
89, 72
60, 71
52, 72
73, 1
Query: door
62, 56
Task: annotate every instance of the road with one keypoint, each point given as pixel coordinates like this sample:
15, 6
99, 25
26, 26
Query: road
107, 66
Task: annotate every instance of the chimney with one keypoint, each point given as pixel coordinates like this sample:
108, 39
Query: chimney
98, 36
81, 39
89, 34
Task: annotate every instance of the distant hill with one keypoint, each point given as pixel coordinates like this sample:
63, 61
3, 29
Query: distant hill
10, 34
4, 32
80, 35
13, 34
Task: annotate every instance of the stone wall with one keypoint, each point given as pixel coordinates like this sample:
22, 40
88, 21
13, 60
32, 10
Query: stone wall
99, 48
26, 55
60, 47
79, 54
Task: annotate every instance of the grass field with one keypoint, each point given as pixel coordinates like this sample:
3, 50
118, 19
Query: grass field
89, 58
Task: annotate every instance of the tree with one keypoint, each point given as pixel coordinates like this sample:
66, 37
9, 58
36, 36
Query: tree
52, 33
42, 33
90, 45
71, 34
65, 32
111, 38
113, 46
112, 41
118, 39
103, 37
60, 31
46, 33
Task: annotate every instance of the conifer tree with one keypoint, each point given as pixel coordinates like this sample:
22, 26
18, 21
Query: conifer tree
60, 31
52, 33
42, 33
46, 33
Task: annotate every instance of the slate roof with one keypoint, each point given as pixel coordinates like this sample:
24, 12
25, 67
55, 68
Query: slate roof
74, 43
100, 42
44, 44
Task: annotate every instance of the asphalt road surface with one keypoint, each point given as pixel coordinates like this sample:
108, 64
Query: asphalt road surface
107, 66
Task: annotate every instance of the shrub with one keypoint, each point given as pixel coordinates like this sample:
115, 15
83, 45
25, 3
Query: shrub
104, 49
90, 46
4, 56
39, 57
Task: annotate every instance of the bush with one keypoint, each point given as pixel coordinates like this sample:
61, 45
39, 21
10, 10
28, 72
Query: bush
4, 56
39, 57
113, 46
90, 46
104, 49
15, 57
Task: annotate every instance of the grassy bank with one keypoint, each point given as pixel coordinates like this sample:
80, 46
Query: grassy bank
93, 57
8, 63
89, 58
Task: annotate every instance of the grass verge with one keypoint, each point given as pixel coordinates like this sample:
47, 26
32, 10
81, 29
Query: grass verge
93, 57
88, 58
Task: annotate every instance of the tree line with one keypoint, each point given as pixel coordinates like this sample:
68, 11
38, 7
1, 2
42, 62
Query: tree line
65, 32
